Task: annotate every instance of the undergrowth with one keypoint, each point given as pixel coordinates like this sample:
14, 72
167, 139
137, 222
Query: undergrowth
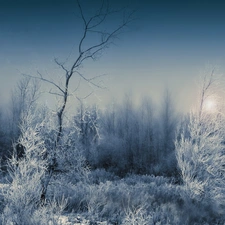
135, 200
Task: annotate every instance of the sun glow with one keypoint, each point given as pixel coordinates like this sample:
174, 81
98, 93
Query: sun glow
210, 105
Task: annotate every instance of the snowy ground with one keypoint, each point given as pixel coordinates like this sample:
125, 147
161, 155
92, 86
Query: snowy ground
71, 219
67, 219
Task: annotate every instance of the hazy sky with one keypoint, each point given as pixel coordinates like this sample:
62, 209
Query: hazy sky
168, 44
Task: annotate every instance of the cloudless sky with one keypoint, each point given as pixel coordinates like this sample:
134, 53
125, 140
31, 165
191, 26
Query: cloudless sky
167, 45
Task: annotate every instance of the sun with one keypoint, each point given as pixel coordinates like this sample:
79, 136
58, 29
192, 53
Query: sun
210, 105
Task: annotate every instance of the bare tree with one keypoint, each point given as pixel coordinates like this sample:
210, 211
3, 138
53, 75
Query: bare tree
91, 25
94, 24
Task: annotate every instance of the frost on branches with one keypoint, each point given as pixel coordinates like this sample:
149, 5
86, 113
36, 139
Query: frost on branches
200, 150
23, 198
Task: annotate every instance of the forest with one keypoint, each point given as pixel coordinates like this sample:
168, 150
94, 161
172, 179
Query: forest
125, 163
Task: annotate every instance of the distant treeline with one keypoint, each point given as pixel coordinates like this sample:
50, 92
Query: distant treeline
123, 138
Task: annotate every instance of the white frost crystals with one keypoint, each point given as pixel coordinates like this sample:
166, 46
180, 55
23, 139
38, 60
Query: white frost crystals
22, 200
200, 151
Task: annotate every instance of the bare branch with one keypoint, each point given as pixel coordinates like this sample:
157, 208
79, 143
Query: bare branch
98, 76
85, 28
88, 80
55, 93
91, 55
46, 80
106, 36
81, 12
105, 40
86, 96
61, 65
101, 18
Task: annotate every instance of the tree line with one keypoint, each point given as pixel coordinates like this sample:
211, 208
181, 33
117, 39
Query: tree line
120, 137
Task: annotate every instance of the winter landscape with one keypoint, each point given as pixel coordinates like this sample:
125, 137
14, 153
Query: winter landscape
132, 157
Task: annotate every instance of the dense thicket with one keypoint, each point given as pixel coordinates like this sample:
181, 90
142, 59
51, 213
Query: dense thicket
125, 138
122, 138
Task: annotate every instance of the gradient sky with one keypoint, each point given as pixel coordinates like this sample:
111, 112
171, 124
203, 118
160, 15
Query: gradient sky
167, 45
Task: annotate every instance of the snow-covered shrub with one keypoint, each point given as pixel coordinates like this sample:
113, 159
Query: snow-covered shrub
137, 216
200, 153
147, 179
27, 174
201, 159
101, 176
71, 164
114, 200
23, 203
165, 214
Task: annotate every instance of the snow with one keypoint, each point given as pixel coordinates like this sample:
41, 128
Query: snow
74, 219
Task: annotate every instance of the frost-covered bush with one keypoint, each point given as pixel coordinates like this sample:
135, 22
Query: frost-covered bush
133, 179
165, 214
116, 200
71, 164
101, 176
201, 155
135, 200
201, 159
22, 200
27, 175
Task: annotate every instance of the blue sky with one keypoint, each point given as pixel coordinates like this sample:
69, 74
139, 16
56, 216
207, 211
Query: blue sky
168, 44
